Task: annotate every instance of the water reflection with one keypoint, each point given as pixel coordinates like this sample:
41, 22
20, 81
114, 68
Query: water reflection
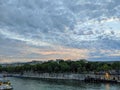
107, 86
47, 84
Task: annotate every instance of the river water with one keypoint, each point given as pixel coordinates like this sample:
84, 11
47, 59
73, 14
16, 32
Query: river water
42, 84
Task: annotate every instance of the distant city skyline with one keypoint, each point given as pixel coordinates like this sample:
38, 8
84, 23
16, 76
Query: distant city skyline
59, 29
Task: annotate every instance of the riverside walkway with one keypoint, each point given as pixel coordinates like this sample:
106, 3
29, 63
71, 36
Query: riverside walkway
70, 76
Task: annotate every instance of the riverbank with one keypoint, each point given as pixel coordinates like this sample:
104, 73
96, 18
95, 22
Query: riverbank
70, 76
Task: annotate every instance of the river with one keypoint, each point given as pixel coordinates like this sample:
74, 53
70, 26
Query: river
42, 84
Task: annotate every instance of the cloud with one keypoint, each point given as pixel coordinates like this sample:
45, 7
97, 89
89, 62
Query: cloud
74, 25
105, 54
15, 36
31, 53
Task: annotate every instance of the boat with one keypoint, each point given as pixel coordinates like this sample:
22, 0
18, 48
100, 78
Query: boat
5, 85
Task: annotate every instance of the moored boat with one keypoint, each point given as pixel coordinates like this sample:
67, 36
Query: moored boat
5, 85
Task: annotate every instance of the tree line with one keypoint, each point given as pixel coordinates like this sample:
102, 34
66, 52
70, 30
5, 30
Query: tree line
62, 66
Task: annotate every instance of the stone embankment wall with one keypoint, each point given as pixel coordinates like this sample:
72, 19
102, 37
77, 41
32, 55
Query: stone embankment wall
69, 76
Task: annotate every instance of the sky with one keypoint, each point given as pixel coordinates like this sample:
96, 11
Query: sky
59, 29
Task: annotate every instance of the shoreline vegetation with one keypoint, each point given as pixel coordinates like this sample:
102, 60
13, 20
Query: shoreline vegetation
72, 70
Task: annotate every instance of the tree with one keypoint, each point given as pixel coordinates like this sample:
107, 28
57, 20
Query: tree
64, 67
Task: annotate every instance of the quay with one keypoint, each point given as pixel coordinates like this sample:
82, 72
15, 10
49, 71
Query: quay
70, 76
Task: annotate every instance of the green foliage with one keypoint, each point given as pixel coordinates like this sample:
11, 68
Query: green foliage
61, 66
64, 67
116, 65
